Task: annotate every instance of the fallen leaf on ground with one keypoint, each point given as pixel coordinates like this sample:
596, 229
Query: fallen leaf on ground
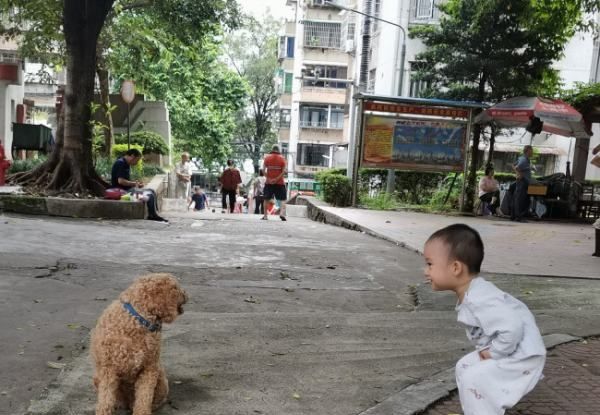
252, 300
55, 365
296, 396
73, 326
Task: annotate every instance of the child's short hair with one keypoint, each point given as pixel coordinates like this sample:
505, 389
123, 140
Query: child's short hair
464, 245
196, 188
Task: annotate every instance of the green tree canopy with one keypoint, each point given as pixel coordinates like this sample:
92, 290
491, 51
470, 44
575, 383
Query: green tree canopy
184, 26
489, 50
252, 50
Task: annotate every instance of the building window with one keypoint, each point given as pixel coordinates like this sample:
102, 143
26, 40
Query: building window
290, 47
284, 147
286, 47
337, 118
313, 155
314, 75
376, 13
288, 81
322, 34
417, 87
283, 118
313, 116
371, 81
424, 10
322, 116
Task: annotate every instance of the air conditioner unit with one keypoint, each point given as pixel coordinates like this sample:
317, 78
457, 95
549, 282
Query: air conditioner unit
349, 46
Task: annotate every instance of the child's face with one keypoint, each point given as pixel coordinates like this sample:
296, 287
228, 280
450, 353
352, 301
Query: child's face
440, 271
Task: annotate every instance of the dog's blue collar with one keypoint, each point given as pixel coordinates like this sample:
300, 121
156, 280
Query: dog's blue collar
151, 327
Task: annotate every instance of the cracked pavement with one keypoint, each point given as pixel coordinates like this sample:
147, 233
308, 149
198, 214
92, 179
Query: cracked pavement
284, 318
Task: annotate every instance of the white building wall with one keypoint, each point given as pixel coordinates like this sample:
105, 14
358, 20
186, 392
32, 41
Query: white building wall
10, 97
387, 48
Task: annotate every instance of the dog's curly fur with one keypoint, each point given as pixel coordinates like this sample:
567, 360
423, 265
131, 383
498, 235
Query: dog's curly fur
126, 354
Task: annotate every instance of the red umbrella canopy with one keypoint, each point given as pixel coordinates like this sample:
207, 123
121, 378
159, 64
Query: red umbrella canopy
558, 117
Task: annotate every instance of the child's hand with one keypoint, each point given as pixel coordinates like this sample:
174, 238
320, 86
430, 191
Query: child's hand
485, 354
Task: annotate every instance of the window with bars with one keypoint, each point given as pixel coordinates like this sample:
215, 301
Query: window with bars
425, 10
322, 34
314, 73
313, 155
417, 87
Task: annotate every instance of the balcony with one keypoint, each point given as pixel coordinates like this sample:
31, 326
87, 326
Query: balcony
319, 95
323, 135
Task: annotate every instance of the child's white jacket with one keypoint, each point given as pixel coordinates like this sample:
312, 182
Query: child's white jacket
499, 322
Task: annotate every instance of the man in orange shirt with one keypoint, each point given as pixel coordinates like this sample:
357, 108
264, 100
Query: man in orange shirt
274, 167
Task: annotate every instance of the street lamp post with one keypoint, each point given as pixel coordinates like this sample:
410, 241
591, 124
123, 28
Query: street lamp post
390, 185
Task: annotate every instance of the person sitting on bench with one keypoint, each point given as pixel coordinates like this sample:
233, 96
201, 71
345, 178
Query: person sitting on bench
121, 178
489, 191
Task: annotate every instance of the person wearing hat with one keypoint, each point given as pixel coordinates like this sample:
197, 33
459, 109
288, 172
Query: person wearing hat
274, 167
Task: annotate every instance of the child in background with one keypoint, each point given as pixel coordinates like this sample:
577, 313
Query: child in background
509, 351
198, 199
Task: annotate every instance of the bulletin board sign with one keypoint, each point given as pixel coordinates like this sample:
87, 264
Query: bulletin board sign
412, 137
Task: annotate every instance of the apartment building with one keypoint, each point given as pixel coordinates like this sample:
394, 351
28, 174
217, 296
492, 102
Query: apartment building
317, 54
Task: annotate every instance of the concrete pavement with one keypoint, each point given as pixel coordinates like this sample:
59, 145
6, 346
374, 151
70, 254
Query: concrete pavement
533, 248
284, 318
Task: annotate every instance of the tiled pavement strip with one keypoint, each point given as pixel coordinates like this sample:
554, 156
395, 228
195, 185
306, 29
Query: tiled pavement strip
571, 385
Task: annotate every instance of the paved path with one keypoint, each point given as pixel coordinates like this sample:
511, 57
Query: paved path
571, 385
533, 248
291, 318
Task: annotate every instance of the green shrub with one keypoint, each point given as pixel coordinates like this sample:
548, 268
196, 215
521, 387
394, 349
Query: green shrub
152, 170
336, 188
150, 142
437, 199
382, 201
146, 141
19, 166
103, 167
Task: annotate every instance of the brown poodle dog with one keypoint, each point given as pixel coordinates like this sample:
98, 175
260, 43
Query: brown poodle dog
125, 345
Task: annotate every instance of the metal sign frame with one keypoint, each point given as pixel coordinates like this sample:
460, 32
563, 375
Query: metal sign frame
456, 112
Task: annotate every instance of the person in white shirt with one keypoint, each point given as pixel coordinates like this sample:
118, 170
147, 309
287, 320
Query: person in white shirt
183, 171
509, 351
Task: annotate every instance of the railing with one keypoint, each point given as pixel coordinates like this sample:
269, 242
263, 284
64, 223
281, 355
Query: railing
321, 125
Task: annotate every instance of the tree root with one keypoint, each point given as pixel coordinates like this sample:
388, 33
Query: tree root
58, 177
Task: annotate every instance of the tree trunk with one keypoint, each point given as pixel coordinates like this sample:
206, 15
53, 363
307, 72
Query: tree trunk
468, 204
469, 197
490, 160
109, 139
69, 169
